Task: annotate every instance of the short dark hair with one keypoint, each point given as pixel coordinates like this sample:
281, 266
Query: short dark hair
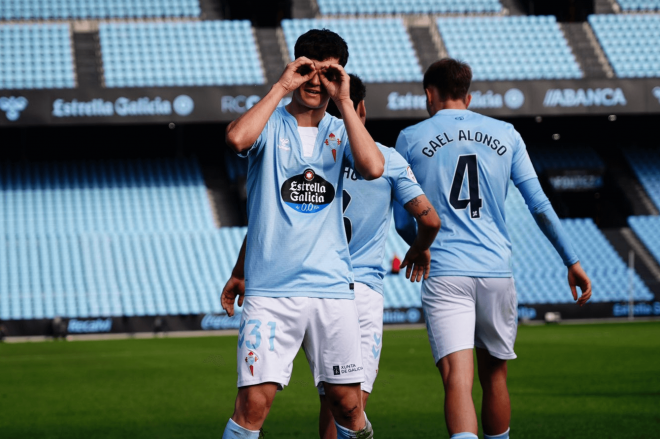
321, 44
358, 93
451, 77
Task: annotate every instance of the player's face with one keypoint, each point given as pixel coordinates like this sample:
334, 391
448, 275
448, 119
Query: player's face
312, 94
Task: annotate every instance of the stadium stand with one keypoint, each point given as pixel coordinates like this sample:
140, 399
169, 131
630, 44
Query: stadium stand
380, 49
35, 56
99, 9
639, 5
646, 165
630, 42
539, 272
346, 7
510, 48
166, 54
646, 228
120, 238
569, 157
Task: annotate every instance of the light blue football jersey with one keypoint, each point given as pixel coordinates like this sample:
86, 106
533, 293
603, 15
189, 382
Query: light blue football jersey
464, 161
368, 213
296, 244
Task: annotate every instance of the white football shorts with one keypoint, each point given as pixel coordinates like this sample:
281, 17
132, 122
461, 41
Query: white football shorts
464, 312
370, 311
272, 330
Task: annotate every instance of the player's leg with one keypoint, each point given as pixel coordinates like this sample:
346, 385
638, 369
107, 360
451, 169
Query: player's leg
332, 346
495, 406
449, 310
495, 336
269, 336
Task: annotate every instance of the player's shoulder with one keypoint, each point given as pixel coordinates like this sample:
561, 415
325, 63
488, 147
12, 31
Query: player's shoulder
500, 125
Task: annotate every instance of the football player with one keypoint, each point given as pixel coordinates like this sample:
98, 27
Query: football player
463, 162
298, 276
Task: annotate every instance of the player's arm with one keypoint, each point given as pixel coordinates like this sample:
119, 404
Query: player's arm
244, 131
549, 223
235, 286
418, 259
369, 161
405, 224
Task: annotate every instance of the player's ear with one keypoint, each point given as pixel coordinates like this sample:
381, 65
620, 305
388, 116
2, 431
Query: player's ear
468, 99
362, 111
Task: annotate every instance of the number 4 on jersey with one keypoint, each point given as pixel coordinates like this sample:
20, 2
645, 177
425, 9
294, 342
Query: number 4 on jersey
466, 163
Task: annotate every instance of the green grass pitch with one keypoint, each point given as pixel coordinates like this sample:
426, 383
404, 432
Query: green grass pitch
574, 381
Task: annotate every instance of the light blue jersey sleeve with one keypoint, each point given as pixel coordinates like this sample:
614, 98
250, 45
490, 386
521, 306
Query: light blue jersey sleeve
403, 181
521, 165
405, 224
261, 141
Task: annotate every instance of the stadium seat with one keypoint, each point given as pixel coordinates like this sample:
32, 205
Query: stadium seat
567, 157
646, 165
639, 5
647, 228
630, 42
168, 54
510, 48
354, 7
36, 56
380, 49
96, 9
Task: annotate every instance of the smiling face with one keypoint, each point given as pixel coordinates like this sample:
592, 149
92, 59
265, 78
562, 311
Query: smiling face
312, 94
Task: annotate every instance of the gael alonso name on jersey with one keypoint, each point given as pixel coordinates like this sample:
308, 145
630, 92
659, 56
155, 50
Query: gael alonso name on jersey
444, 139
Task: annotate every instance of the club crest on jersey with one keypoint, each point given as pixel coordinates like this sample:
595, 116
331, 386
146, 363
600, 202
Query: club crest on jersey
333, 142
307, 192
251, 360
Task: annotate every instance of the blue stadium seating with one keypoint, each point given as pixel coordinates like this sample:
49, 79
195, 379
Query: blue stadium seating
109, 196
204, 53
101, 9
631, 43
510, 48
539, 272
646, 165
568, 157
343, 7
647, 228
639, 5
35, 56
380, 49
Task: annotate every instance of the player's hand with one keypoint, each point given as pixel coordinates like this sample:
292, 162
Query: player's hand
578, 278
234, 287
336, 82
417, 264
297, 73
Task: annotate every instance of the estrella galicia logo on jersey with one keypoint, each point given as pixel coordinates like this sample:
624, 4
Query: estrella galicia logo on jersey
251, 360
12, 106
307, 192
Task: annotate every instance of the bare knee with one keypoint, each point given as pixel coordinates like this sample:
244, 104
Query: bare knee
253, 405
492, 370
457, 370
345, 402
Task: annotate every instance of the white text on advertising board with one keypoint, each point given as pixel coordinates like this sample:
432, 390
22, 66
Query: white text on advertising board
590, 97
183, 106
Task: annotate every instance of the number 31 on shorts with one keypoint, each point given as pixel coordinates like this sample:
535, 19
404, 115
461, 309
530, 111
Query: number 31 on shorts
254, 336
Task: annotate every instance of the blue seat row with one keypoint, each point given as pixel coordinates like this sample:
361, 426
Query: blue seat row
100, 9
630, 42
646, 165
83, 275
639, 5
204, 53
106, 196
344, 7
36, 56
380, 49
647, 228
510, 48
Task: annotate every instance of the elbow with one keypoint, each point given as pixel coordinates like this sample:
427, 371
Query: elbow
235, 141
431, 222
373, 172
